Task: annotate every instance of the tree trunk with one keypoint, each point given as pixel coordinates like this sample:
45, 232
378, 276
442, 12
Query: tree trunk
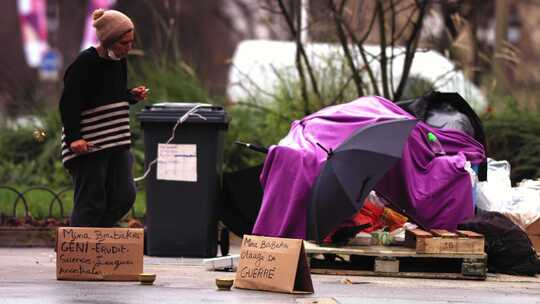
16, 78
501, 30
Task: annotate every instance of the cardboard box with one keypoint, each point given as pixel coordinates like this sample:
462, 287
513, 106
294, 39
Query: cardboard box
273, 264
533, 231
95, 254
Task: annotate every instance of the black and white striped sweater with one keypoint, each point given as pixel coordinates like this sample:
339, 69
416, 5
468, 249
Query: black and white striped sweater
103, 127
95, 104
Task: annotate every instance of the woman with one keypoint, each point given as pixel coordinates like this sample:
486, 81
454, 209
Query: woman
96, 139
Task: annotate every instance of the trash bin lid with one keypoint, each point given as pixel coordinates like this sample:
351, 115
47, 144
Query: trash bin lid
169, 112
179, 105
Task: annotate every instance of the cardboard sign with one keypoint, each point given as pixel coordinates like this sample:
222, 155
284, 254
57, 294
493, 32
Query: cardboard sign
273, 264
89, 254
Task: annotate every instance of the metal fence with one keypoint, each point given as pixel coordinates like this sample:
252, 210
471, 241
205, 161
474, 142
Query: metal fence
21, 197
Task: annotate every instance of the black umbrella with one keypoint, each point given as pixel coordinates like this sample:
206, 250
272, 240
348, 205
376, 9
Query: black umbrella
352, 171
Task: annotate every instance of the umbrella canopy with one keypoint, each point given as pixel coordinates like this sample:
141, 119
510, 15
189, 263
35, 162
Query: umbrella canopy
352, 171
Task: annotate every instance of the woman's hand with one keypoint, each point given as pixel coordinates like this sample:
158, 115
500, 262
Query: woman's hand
139, 92
79, 146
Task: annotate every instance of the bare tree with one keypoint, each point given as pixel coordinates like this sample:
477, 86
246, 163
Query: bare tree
385, 14
382, 27
301, 57
16, 78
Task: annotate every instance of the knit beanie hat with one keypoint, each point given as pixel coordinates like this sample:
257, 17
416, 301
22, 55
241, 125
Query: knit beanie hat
110, 25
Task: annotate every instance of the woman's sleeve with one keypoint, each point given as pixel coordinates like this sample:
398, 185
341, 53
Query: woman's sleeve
127, 95
71, 101
130, 98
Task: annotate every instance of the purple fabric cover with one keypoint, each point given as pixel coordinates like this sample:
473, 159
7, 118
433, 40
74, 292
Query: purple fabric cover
436, 191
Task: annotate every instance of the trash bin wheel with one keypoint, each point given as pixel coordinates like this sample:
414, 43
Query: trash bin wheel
224, 241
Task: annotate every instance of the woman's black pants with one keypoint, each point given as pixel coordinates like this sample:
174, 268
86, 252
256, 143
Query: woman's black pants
104, 188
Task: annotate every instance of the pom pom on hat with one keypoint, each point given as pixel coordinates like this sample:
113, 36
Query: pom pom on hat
97, 13
110, 25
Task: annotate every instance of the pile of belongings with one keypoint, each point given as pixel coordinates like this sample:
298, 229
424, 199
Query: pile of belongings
375, 224
509, 219
371, 167
433, 190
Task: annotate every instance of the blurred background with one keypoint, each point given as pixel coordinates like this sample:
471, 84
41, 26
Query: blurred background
269, 62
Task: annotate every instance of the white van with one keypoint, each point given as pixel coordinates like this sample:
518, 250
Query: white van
260, 65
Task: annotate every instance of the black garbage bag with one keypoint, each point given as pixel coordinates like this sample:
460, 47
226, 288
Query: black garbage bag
508, 247
448, 110
241, 200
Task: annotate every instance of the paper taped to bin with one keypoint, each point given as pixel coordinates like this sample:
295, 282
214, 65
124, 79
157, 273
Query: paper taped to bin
177, 162
225, 263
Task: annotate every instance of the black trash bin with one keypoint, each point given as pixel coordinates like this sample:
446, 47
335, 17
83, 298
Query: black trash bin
183, 188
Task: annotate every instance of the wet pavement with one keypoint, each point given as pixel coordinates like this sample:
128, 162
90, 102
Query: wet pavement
28, 276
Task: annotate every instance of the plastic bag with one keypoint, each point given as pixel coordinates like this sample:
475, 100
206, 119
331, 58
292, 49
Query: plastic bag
474, 181
497, 194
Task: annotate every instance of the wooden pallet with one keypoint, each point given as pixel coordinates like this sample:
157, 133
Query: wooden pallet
443, 241
395, 261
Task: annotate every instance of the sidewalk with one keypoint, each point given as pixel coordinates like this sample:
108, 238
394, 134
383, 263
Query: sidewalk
28, 276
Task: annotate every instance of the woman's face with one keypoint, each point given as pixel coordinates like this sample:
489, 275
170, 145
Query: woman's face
122, 47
